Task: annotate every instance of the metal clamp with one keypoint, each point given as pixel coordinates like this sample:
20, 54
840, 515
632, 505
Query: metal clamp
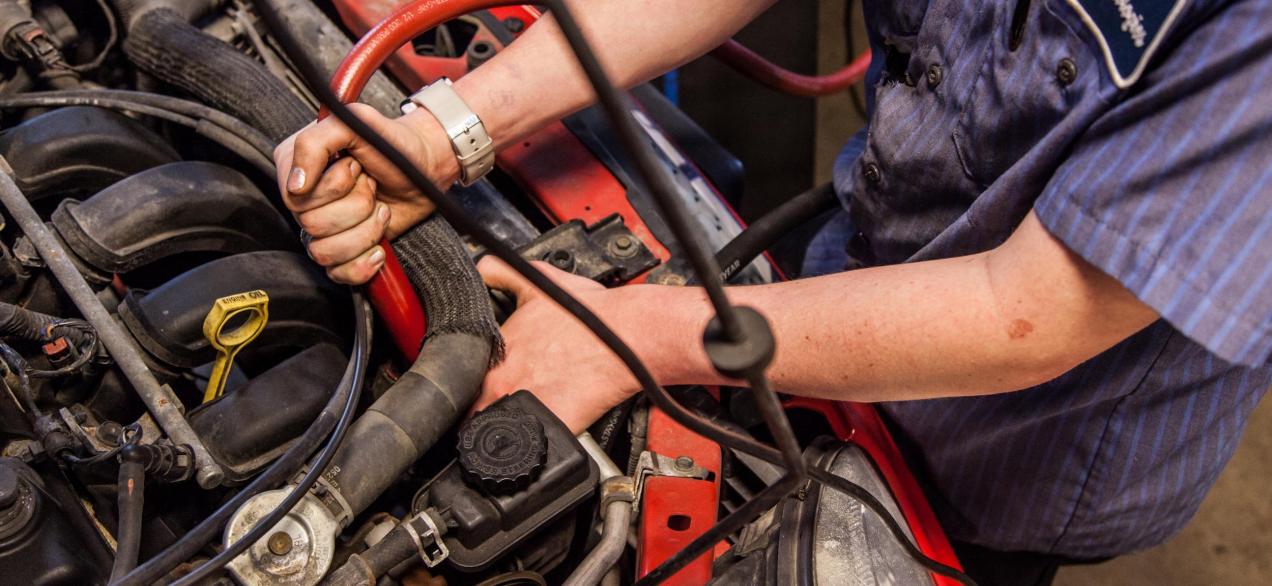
428, 538
652, 464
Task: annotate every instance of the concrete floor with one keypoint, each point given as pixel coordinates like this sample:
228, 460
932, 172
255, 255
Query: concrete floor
1230, 540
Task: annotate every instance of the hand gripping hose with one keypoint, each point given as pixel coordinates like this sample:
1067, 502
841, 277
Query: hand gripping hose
390, 291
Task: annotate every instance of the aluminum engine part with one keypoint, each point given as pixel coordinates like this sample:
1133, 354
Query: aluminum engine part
297, 552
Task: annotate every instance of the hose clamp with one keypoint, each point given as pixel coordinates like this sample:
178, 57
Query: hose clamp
427, 538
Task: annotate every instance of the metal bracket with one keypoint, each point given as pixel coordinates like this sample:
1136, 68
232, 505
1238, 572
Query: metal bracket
605, 251
652, 464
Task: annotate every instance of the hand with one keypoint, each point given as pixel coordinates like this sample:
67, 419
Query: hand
554, 356
347, 206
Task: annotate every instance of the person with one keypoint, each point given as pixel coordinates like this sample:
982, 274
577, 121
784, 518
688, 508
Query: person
1058, 217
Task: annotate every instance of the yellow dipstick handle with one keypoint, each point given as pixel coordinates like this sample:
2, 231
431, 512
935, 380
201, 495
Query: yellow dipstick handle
253, 307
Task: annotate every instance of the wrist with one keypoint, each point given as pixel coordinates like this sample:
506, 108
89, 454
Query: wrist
669, 341
440, 162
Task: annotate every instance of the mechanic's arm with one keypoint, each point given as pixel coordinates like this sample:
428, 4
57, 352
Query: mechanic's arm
1002, 320
346, 208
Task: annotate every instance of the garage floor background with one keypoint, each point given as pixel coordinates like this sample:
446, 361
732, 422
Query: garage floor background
787, 144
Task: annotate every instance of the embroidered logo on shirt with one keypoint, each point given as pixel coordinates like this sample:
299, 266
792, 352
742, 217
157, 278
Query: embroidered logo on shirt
1132, 22
1128, 32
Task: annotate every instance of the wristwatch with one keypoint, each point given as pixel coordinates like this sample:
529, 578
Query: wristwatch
473, 146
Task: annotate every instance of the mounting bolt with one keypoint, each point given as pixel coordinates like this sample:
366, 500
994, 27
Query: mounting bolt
280, 543
684, 463
623, 246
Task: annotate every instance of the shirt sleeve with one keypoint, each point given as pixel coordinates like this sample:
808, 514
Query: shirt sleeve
1170, 191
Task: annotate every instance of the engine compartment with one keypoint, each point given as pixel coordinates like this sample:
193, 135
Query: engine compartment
177, 369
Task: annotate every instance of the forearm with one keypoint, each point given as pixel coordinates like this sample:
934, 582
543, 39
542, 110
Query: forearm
537, 79
980, 324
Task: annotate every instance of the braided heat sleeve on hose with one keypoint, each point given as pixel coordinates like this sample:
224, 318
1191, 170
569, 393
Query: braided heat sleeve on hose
442, 273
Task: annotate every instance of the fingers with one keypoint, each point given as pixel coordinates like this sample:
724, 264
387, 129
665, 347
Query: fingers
336, 182
343, 213
311, 150
351, 243
360, 269
498, 275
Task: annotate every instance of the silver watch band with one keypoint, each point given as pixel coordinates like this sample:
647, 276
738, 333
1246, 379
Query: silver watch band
472, 145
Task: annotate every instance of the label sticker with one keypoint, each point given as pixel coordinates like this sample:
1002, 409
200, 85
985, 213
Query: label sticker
1128, 31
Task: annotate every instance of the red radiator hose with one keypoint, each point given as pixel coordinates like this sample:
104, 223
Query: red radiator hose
751, 64
390, 292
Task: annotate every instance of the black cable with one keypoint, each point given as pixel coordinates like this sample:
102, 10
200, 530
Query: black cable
112, 37
215, 133
86, 352
131, 503
285, 467
228, 131
18, 367
316, 470
453, 213
761, 234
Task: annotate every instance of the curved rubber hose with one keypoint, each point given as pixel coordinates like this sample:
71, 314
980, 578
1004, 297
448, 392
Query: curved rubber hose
162, 43
751, 64
762, 233
131, 500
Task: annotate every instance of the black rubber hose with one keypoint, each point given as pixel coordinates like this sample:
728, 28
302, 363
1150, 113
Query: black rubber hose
764, 232
164, 44
444, 381
286, 466
232, 142
195, 110
27, 324
131, 500
363, 569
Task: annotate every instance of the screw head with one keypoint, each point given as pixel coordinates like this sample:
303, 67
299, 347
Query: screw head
684, 463
280, 543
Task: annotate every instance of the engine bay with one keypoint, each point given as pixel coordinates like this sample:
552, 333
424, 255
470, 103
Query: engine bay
189, 399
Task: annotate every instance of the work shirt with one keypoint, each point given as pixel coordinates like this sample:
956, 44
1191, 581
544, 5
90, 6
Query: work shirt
1140, 132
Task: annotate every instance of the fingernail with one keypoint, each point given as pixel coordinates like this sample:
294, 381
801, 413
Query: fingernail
296, 179
383, 214
354, 167
376, 257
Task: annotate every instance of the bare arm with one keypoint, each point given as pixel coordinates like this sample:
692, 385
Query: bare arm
350, 205
998, 321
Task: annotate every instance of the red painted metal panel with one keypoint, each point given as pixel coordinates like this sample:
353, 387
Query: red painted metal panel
674, 511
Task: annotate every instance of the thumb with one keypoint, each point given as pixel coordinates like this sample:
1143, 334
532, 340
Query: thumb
501, 277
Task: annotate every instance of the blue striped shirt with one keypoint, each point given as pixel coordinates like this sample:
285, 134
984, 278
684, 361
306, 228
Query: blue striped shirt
1140, 132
